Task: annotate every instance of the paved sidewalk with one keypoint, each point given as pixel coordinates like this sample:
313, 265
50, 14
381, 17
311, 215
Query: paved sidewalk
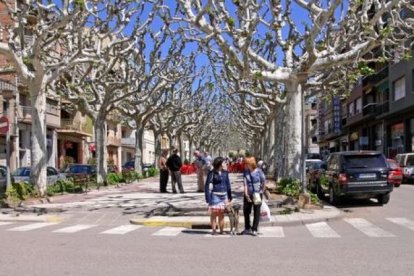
141, 203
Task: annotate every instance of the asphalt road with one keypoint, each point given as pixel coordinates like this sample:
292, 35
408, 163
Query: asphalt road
369, 239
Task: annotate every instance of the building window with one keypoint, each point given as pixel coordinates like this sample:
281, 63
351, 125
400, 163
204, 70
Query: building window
358, 105
351, 109
399, 89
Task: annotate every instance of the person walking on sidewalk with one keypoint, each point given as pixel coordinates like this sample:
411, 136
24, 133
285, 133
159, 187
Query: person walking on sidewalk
199, 163
174, 164
254, 182
162, 163
219, 196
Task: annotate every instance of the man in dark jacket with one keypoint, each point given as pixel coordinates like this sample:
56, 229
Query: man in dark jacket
174, 165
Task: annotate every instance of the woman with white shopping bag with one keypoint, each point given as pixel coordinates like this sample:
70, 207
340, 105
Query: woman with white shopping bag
254, 184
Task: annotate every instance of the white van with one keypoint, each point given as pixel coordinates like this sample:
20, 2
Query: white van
406, 162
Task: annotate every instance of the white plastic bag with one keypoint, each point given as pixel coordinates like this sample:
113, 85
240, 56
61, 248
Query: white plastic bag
265, 212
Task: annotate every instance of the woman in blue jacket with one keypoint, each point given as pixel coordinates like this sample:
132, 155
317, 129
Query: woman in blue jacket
220, 194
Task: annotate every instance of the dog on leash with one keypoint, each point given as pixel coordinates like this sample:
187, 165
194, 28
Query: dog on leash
233, 214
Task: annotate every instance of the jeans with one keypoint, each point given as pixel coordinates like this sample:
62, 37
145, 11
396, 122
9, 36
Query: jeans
247, 209
176, 178
163, 180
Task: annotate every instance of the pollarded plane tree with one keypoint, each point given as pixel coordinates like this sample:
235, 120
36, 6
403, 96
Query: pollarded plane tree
163, 76
290, 42
97, 88
45, 39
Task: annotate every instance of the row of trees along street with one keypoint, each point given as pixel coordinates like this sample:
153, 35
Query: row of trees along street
224, 74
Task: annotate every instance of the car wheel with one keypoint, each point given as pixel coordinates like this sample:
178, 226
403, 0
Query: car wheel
333, 198
383, 199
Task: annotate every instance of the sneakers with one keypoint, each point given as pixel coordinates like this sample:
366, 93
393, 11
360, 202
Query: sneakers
254, 233
246, 232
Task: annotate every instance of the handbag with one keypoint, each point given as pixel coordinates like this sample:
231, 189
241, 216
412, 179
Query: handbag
257, 199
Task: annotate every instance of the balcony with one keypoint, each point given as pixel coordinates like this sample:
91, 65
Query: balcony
378, 77
84, 128
24, 115
128, 142
113, 141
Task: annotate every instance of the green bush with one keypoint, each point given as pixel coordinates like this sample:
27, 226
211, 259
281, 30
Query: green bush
61, 186
130, 176
152, 172
290, 187
115, 178
314, 198
20, 191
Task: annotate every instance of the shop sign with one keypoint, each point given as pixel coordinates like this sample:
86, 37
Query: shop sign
354, 136
337, 115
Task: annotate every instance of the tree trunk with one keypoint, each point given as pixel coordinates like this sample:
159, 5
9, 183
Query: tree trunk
101, 158
181, 146
294, 143
158, 150
39, 154
190, 148
139, 134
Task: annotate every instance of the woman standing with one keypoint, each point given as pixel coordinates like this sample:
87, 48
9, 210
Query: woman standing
254, 183
219, 196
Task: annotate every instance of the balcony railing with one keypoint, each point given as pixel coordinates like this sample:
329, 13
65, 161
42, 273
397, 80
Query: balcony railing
375, 78
52, 115
130, 141
113, 141
76, 126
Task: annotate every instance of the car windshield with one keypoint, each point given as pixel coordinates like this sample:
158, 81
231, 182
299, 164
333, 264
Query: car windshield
316, 165
22, 172
393, 165
364, 161
410, 160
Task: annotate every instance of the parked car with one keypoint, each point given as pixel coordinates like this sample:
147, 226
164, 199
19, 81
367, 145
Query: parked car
362, 174
314, 167
3, 179
130, 165
406, 162
395, 176
23, 175
72, 170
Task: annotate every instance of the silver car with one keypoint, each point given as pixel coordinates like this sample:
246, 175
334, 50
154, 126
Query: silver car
23, 175
406, 162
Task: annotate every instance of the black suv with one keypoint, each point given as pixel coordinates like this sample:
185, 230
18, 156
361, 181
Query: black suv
357, 174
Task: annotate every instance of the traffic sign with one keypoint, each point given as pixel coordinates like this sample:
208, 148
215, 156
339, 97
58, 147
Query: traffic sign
4, 124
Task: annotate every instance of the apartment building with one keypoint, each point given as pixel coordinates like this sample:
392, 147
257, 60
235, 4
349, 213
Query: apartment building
311, 129
378, 114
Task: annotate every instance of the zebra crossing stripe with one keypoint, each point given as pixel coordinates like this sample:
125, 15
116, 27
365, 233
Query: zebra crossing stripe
403, 222
321, 230
74, 229
368, 228
271, 232
121, 230
5, 223
32, 226
168, 231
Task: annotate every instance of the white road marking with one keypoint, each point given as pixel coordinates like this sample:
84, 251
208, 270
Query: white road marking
321, 230
403, 222
271, 232
74, 229
32, 226
169, 231
121, 230
368, 228
5, 223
